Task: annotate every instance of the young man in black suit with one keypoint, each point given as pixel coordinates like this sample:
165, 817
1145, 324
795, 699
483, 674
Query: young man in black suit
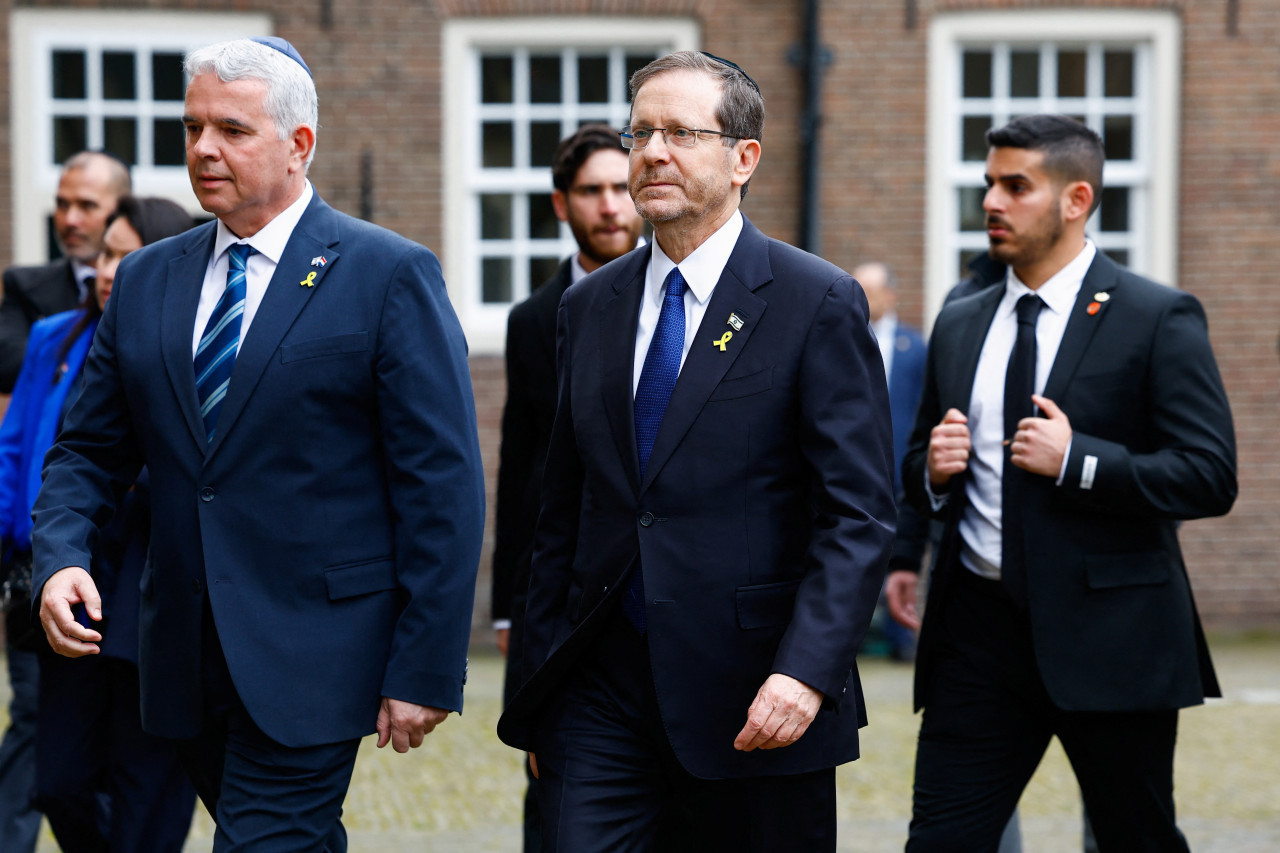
589, 173
1059, 602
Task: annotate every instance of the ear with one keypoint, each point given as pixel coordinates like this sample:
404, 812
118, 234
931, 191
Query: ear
746, 153
561, 205
1076, 199
304, 142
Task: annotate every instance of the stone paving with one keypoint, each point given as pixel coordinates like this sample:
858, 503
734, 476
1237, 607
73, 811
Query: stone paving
462, 791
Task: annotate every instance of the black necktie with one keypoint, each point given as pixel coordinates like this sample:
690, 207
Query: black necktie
1019, 385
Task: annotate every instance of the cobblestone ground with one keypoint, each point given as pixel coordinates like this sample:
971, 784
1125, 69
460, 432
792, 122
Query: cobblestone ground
462, 791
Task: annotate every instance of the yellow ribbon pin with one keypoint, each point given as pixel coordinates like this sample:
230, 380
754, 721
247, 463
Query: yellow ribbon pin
724, 339
310, 280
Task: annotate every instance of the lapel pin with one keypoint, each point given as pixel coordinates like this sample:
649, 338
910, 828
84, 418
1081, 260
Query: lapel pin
736, 322
318, 261
310, 280
1102, 296
1094, 307
724, 339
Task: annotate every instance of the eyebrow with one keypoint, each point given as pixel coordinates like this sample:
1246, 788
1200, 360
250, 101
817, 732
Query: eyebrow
234, 122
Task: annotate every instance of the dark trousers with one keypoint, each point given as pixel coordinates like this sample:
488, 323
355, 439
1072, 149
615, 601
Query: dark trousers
610, 780
19, 820
103, 782
264, 797
989, 720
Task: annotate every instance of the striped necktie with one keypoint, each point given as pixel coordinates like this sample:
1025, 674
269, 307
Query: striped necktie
216, 353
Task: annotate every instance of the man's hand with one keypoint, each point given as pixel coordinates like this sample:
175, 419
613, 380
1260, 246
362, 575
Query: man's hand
67, 588
504, 640
1040, 443
900, 591
780, 714
405, 724
949, 447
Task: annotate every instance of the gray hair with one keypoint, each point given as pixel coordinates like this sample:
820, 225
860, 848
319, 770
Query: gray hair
741, 108
291, 93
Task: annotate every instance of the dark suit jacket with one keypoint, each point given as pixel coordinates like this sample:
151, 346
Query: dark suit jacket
526, 432
30, 294
1112, 616
906, 380
763, 523
335, 520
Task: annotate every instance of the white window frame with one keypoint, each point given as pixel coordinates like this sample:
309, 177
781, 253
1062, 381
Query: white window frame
464, 180
1157, 35
34, 35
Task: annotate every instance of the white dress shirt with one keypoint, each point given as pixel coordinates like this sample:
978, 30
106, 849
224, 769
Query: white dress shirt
980, 522
268, 244
701, 271
83, 273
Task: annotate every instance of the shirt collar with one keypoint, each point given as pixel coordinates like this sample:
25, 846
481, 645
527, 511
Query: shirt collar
271, 239
703, 267
1060, 291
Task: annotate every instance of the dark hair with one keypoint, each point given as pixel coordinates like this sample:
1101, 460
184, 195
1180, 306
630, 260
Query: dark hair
575, 150
741, 108
153, 219
1072, 152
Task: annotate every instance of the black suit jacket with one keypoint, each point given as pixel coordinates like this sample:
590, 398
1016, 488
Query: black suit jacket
526, 432
30, 294
764, 520
1112, 616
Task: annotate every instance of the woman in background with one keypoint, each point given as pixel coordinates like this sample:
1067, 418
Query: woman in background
103, 783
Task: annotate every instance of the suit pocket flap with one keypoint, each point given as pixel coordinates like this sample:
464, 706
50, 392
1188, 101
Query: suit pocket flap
1145, 568
767, 604
744, 386
360, 578
335, 345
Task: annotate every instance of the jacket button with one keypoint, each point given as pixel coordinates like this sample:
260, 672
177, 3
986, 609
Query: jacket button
646, 519
196, 586
206, 494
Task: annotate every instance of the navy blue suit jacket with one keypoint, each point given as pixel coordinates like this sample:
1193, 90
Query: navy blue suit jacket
1112, 616
335, 520
764, 520
906, 380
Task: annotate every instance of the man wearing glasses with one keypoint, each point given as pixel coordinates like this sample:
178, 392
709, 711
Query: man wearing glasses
717, 511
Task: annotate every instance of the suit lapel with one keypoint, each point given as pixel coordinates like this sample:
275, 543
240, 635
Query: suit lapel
616, 343
1081, 325
706, 364
970, 336
177, 325
290, 289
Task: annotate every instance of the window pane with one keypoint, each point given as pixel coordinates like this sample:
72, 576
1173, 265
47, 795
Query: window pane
119, 80
544, 136
544, 79
497, 145
495, 216
166, 76
1117, 137
541, 270
1024, 74
634, 62
974, 145
593, 79
120, 137
495, 79
169, 143
1120, 256
1113, 214
1071, 71
543, 224
495, 280
966, 258
977, 74
972, 216
68, 74
1118, 74
70, 136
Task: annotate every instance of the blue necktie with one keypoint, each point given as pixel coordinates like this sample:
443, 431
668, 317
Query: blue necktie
653, 392
216, 353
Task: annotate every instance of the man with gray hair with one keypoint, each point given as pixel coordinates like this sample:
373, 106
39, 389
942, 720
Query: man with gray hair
296, 382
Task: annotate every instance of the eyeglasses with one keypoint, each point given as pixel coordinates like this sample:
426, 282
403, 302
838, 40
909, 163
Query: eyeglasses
636, 138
